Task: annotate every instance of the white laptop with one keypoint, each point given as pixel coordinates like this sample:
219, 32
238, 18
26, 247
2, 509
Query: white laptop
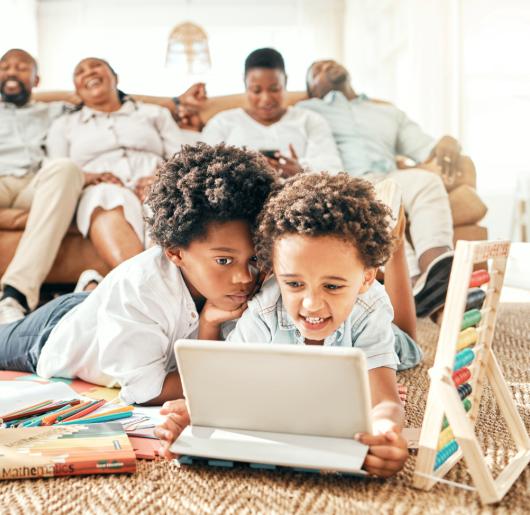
287, 405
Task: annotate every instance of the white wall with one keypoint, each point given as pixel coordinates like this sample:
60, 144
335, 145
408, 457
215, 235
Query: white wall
496, 100
133, 35
18, 25
405, 51
458, 67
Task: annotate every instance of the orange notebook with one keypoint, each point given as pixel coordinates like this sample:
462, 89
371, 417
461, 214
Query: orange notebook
53, 451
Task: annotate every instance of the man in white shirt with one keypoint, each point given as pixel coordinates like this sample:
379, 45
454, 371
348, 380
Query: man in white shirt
48, 190
369, 135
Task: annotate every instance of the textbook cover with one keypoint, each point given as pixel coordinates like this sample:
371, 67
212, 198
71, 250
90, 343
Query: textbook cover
31, 452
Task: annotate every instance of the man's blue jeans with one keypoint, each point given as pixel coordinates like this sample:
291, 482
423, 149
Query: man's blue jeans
21, 342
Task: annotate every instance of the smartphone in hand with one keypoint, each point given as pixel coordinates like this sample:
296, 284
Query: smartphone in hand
270, 153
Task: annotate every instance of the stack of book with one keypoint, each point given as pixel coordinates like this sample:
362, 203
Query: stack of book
64, 450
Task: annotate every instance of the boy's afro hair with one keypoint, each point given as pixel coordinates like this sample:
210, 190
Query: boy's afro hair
327, 205
203, 184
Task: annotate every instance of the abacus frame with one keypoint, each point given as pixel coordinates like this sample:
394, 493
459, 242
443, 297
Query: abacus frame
443, 397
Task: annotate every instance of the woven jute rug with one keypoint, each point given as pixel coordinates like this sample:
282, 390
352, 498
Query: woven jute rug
161, 487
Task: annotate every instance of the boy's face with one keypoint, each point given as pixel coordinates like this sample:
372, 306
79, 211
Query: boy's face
221, 266
320, 278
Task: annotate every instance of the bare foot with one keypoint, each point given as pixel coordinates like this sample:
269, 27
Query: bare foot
402, 391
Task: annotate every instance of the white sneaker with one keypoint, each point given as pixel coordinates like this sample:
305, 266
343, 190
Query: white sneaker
11, 310
87, 277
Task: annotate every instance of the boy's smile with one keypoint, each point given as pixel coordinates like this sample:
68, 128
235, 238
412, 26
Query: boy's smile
219, 267
320, 278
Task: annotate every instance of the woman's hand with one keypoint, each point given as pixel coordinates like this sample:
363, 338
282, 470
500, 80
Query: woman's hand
189, 119
194, 97
92, 178
176, 421
286, 166
141, 188
388, 451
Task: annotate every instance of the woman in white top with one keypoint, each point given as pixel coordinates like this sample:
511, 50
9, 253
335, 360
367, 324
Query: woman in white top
291, 138
121, 142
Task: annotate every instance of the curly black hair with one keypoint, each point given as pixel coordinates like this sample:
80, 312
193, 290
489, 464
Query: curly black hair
327, 205
203, 184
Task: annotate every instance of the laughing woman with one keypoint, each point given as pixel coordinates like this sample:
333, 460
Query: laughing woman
292, 139
119, 142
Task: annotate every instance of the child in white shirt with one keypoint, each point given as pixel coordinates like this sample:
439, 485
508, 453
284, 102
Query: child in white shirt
205, 202
325, 237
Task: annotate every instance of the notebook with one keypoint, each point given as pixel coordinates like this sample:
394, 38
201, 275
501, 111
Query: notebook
54, 451
286, 405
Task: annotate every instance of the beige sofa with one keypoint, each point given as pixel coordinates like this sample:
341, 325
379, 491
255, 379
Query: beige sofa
77, 254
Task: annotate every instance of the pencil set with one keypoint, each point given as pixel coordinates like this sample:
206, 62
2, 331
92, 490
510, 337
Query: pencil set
75, 411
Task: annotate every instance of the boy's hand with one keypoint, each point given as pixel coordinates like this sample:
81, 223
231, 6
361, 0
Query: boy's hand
177, 419
211, 315
388, 451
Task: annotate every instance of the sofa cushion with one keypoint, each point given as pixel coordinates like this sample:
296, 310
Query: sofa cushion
12, 219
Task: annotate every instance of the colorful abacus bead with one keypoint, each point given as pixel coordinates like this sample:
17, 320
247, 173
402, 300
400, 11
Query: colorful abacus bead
467, 406
471, 317
478, 278
475, 298
464, 390
445, 453
466, 338
445, 437
461, 376
463, 358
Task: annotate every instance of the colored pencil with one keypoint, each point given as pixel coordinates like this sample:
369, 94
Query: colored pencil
37, 421
20, 412
52, 417
102, 418
48, 408
93, 407
76, 410
112, 411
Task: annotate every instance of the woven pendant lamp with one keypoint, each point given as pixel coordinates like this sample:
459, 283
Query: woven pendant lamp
187, 48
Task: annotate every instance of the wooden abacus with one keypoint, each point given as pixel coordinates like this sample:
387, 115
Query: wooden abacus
464, 361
